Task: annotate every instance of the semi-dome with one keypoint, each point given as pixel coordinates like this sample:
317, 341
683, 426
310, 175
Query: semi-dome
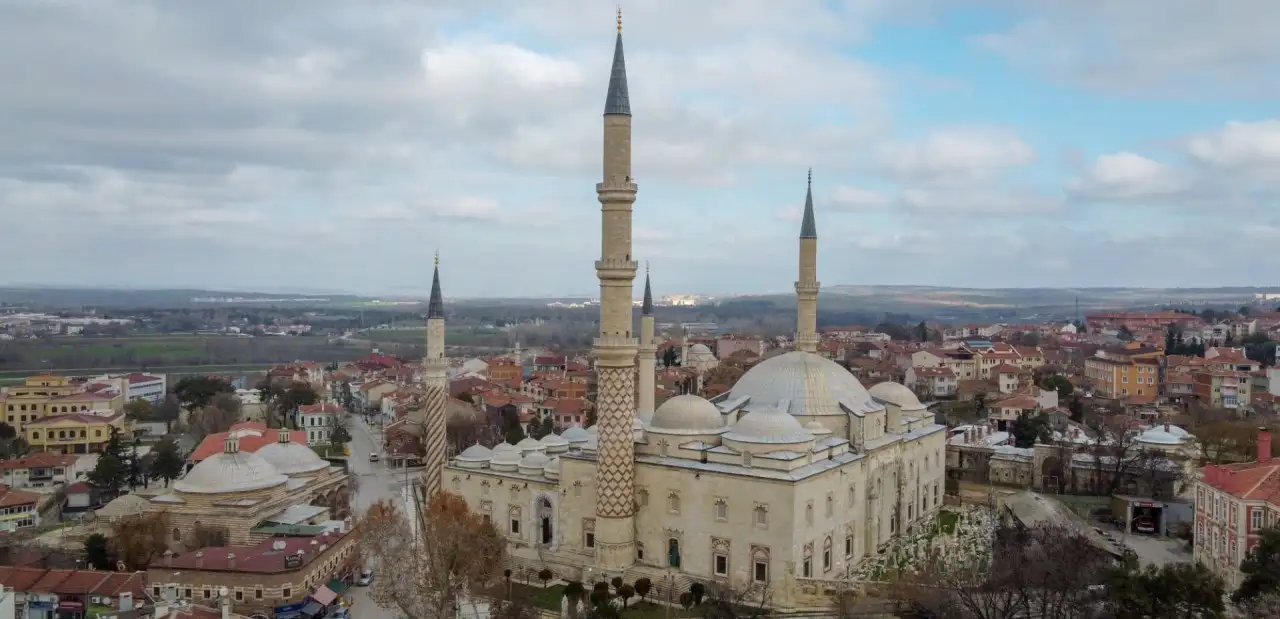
230, 471
475, 453
768, 425
898, 395
575, 434
802, 383
687, 414
291, 458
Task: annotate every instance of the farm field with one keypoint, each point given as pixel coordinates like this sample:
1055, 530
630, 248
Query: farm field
88, 354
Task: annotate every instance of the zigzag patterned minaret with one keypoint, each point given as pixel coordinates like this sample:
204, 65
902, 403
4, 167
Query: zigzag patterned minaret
435, 388
615, 348
647, 359
807, 285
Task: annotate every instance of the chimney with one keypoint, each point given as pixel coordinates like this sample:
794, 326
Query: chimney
1264, 445
199, 558
231, 560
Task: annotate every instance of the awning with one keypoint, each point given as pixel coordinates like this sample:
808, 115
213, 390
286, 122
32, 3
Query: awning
337, 586
324, 595
312, 609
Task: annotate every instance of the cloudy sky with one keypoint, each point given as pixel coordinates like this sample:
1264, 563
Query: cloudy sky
331, 144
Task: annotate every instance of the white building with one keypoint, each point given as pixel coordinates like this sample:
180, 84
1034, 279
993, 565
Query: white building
39, 470
318, 421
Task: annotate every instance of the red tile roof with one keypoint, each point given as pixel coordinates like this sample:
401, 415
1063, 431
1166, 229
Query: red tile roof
1005, 368
320, 407
138, 377
253, 436
37, 460
264, 558
10, 497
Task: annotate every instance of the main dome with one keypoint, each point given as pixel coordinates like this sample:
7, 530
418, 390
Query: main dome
292, 458
230, 472
802, 384
687, 414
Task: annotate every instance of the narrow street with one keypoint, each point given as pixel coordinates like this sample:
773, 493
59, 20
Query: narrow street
375, 483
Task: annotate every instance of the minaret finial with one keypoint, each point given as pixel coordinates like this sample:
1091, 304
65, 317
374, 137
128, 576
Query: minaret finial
646, 267
619, 20
810, 178
437, 259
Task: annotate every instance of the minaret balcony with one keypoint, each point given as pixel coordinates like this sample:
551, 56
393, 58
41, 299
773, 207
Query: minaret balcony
809, 287
616, 193
613, 268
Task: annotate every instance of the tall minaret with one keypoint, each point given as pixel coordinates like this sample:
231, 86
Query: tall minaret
435, 388
807, 286
616, 349
648, 351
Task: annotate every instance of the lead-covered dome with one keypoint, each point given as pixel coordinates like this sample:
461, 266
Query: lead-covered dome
801, 383
1164, 435
898, 395
686, 414
230, 471
291, 458
768, 425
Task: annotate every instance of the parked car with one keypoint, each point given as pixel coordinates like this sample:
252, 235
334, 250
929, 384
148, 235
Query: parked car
373, 457
365, 579
1145, 525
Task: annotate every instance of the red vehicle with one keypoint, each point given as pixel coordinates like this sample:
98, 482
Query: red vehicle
1145, 525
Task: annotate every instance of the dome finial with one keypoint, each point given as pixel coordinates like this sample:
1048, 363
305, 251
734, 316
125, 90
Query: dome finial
619, 20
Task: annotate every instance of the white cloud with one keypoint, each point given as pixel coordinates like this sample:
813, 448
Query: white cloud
957, 156
1128, 176
846, 198
1252, 149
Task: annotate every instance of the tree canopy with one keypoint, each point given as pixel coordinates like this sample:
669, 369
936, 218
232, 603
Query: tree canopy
195, 392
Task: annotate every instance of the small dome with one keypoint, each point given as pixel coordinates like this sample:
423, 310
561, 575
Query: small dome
222, 473
528, 444
1163, 435
292, 458
553, 467
534, 463
504, 447
687, 414
768, 425
475, 453
700, 350
553, 440
897, 395
816, 429
575, 434
509, 457
593, 430
591, 444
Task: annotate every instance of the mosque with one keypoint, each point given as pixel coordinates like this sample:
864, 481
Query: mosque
783, 484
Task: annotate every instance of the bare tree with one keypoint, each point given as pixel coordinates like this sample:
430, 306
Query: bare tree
723, 600
428, 572
1042, 572
1113, 454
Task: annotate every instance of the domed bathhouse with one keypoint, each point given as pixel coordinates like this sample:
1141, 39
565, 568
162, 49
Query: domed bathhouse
783, 483
242, 498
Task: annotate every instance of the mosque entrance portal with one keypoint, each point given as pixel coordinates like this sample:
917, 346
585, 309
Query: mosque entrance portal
544, 517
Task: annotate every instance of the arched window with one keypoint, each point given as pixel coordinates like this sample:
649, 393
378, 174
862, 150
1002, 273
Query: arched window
826, 555
642, 497
808, 513
831, 506
673, 503
762, 516
177, 534
721, 510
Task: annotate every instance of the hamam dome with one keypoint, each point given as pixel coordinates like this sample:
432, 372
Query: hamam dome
802, 384
230, 471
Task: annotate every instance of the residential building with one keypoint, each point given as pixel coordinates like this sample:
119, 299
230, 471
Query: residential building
729, 344
19, 509
932, 382
1123, 371
41, 593
1234, 503
75, 433
136, 385
39, 470
1222, 389
47, 394
318, 421
1135, 320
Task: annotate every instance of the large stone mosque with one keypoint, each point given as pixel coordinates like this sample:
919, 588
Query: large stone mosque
784, 482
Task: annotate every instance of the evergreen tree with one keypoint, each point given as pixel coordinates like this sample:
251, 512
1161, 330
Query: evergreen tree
1261, 568
97, 552
167, 463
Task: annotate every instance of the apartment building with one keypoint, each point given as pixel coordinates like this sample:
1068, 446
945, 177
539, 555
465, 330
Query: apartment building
46, 394
74, 433
1124, 371
1234, 502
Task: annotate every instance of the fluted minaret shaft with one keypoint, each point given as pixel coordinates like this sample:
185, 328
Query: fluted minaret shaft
647, 358
616, 347
807, 285
435, 390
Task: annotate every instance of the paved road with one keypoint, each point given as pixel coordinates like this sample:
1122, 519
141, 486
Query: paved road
376, 483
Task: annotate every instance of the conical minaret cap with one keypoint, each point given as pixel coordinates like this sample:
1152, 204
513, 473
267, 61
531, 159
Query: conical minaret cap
808, 226
647, 308
618, 101
435, 308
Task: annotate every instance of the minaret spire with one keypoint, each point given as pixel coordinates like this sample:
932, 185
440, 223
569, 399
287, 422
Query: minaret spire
646, 309
807, 285
647, 358
435, 389
616, 347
